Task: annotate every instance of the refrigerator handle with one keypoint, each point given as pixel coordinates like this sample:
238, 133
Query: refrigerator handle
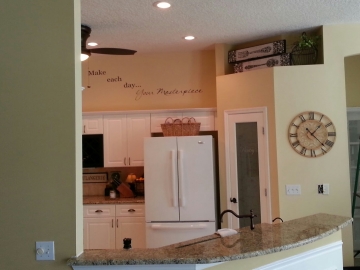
173, 178
181, 177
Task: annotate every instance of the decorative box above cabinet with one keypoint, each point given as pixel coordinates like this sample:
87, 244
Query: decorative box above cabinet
124, 139
93, 124
206, 118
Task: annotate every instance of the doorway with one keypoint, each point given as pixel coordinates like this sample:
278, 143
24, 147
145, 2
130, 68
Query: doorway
247, 165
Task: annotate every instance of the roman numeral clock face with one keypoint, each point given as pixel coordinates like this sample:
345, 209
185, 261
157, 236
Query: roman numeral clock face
312, 134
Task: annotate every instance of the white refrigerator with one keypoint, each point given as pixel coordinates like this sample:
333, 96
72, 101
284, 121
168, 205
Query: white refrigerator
179, 189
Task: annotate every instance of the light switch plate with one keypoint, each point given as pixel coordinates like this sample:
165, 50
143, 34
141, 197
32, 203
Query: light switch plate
293, 189
326, 189
45, 251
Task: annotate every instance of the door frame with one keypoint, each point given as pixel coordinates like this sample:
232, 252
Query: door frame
267, 217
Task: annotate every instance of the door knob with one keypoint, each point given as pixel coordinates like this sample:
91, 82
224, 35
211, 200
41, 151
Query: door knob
233, 200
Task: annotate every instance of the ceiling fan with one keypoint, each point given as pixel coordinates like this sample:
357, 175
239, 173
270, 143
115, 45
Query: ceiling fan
85, 53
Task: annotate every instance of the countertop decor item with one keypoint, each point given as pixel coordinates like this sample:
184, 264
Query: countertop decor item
305, 51
95, 177
312, 134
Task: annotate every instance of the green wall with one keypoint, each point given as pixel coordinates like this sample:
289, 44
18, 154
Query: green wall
39, 147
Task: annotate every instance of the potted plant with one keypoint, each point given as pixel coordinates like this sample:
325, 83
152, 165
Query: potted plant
305, 51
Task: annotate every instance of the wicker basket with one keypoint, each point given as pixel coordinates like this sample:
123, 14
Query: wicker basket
185, 127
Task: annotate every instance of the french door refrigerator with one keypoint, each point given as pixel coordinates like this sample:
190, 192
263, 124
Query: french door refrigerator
179, 189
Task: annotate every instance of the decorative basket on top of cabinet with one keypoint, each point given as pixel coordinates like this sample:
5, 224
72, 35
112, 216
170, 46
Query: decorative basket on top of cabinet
180, 127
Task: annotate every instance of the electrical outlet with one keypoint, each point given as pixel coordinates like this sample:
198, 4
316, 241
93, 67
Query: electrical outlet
320, 189
326, 189
293, 189
45, 251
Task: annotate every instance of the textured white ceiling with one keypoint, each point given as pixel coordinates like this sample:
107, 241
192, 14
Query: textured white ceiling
138, 25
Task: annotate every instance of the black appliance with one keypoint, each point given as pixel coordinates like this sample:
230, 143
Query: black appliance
93, 150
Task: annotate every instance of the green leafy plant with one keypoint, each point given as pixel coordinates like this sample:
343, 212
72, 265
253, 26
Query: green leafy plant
308, 42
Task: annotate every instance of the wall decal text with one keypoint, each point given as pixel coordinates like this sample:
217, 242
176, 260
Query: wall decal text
161, 91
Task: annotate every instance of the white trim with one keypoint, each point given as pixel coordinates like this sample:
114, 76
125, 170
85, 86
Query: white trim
305, 256
227, 113
151, 111
146, 266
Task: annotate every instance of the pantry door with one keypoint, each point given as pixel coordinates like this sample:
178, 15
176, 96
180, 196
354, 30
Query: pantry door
247, 166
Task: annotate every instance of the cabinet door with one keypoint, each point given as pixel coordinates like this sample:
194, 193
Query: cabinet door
93, 125
130, 227
115, 142
99, 233
138, 127
207, 119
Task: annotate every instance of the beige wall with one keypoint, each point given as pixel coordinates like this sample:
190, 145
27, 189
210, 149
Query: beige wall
128, 76
247, 90
40, 147
286, 93
352, 80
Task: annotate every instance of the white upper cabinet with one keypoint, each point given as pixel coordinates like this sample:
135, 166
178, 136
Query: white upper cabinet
124, 139
206, 118
93, 124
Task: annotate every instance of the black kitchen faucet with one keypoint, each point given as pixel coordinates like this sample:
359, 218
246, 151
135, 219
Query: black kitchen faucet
251, 216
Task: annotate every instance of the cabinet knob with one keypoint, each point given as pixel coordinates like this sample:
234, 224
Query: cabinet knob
131, 210
98, 211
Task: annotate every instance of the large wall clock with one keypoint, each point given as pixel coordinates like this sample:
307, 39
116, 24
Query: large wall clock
312, 134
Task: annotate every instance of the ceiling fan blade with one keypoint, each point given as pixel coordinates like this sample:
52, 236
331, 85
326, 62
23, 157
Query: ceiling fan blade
114, 51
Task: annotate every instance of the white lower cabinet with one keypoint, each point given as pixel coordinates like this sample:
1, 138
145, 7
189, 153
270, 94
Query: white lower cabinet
105, 226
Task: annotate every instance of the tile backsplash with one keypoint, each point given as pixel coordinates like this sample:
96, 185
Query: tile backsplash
99, 188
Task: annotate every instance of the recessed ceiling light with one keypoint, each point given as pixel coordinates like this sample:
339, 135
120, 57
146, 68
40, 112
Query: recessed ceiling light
162, 4
189, 37
92, 44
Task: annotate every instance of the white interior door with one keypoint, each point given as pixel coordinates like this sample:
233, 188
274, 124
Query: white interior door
353, 118
247, 166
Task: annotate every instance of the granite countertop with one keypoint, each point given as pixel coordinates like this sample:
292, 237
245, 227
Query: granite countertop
107, 200
264, 239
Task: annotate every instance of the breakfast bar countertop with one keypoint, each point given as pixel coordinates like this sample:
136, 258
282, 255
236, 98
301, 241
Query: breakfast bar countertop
106, 200
264, 239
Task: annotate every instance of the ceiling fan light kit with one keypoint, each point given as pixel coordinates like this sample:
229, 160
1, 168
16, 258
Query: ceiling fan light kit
85, 52
189, 37
162, 4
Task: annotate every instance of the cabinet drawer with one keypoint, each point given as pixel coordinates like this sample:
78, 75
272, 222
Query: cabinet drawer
130, 210
99, 210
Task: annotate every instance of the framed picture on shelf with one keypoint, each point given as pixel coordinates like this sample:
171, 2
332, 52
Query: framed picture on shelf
272, 48
273, 61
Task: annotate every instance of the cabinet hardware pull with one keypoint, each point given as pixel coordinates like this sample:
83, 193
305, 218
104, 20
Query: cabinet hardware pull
112, 223
125, 161
98, 211
131, 210
84, 129
129, 161
117, 223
